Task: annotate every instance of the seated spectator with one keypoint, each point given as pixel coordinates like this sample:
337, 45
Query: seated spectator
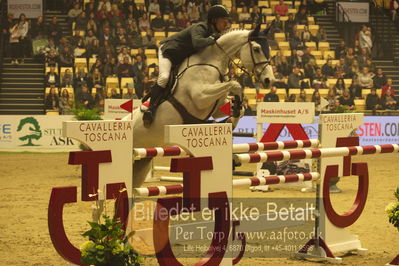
307, 36
327, 69
92, 49
39, 29
131, 94
65, 103
106, 35
66, 57
356, 48
51, 58
67, 79
283, 67
97, 65
114, 94
296, 58
341, 69
332, 99
371, 66
144, 23
105, 4
294, 78
339, 86
276, 26
103, 13
354, 70
194, 13
110, 68
84, 98
316, 99
363, 57
96, 80
256, 15
92, 23
373, 101
340, 51
149, 41
289, 26
124, 54
291, 98
154, 75
233, 14
388, 86
279, 80
52, 78
365, 79
346, 100
246, 80
89, 37
355, 89
271, 96
99, 99
319, 81
350, 56
181, 20
157, 23
52, 101
81, 78
281, 9
74, 12
310, 70
90, 7
389, 100
296, 42
120, 36
321, 36
301, 17
153, 7
307, 56
247, 109
139, 66
54, 30
244, 16
125, 69
379, 79
302, 97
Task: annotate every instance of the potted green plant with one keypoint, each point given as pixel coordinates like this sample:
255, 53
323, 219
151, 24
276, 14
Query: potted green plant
392, 210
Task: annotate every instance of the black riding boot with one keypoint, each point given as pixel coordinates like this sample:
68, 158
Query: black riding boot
157, 93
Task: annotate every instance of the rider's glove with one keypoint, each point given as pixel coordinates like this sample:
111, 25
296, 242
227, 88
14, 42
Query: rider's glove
215, 36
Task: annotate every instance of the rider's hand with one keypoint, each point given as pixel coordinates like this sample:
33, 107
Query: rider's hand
215, 36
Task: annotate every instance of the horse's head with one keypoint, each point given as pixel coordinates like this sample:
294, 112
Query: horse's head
255, 56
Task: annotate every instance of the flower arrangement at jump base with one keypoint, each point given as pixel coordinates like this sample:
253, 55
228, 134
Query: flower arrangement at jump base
392, 210
107, 244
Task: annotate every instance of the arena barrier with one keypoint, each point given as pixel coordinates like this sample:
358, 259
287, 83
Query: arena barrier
107, 167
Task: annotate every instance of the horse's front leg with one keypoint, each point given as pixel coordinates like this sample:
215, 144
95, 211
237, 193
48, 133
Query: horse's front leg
218, 91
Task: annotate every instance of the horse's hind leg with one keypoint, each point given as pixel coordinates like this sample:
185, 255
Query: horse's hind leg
140, 171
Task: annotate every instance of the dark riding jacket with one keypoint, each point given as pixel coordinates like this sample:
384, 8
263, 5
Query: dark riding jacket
187, 42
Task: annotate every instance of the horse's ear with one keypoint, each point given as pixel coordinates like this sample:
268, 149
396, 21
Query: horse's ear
255, 32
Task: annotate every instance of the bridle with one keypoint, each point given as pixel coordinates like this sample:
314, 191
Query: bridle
253, 72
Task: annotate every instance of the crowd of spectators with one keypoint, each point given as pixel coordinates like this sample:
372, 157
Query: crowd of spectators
116, 33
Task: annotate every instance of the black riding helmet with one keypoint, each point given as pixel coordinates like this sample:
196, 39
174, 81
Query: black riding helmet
217, 11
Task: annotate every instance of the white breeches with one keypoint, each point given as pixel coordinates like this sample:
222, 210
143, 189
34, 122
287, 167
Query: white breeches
165, 66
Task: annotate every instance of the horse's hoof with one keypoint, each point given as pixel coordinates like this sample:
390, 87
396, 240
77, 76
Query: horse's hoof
334, 189
147, 118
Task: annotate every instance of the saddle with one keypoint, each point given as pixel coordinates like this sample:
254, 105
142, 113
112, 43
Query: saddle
168, 95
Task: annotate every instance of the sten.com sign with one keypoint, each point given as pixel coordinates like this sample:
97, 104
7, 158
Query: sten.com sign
375, 130
31, 8
357, 11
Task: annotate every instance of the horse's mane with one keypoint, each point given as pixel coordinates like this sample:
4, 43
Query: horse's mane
232, 30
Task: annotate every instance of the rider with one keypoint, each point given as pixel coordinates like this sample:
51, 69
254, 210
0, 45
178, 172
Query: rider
175, 49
